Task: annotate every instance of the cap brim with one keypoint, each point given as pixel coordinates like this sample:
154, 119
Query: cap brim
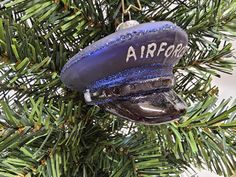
155, 108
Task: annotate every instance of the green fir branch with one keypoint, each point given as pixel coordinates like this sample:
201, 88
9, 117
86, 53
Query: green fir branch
47, 130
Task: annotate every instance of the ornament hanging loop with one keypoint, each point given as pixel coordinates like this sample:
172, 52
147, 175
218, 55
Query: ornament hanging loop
130, 22
123, 16
125, 11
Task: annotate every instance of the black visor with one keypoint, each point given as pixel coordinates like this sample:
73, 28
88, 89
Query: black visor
150, 102
153, 108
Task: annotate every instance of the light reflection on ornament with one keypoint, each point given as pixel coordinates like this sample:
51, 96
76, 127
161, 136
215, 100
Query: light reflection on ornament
148, 107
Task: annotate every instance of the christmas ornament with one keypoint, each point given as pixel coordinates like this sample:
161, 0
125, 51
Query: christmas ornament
129, 73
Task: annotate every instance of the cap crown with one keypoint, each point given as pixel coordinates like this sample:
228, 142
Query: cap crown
153, 45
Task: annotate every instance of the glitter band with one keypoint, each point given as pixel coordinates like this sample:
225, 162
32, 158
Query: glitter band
160, 84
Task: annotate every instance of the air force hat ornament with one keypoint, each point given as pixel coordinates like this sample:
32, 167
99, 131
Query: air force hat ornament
130, 72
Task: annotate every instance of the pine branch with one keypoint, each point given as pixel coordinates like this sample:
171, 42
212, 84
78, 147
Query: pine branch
164, 149
205, 136
47, 130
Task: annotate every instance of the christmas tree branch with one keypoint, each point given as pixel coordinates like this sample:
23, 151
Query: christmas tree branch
47, 130
204, 131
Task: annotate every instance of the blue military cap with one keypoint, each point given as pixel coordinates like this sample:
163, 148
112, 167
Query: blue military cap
129, 73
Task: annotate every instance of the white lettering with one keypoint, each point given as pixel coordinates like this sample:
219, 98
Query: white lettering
169, 51
142, 51
151, 49
182, 51
161, 49
131, 53
178, 48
